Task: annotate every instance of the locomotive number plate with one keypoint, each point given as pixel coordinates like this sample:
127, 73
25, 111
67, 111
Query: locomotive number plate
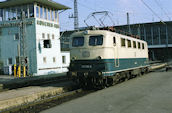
86, 66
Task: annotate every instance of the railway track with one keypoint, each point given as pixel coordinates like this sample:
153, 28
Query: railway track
47, 103
51, 101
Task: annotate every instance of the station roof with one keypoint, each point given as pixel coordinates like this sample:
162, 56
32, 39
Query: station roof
48, 3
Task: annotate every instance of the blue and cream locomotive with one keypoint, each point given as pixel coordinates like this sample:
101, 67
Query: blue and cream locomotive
101, 57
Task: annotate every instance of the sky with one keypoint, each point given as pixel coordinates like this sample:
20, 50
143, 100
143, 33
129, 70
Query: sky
159, 10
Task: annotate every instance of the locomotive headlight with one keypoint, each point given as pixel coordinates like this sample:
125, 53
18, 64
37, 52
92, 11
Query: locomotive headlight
73, 58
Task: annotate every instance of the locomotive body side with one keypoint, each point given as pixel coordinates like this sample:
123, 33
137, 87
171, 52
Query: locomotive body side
97, 56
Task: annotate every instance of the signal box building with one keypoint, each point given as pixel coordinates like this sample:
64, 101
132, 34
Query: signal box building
30, 29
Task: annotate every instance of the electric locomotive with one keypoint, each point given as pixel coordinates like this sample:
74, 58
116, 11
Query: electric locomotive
100, 57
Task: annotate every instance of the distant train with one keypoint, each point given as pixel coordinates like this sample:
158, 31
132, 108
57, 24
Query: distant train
101, 58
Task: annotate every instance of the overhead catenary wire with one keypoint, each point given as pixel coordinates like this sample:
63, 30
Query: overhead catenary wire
162, 9
85, 6
152, 10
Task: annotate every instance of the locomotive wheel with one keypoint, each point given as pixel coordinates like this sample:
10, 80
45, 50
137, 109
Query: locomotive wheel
127, 76
116, 79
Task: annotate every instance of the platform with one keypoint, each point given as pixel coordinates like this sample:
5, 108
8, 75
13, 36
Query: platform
22, 96
11, 82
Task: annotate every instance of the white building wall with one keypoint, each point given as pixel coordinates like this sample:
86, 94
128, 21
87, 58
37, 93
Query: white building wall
53, 63
65, 60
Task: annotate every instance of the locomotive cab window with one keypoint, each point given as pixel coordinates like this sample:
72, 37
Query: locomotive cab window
78, 41
96, 40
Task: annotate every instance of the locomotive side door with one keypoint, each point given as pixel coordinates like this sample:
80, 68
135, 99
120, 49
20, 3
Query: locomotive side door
116, 52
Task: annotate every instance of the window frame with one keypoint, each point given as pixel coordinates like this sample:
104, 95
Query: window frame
143, 45
96, 40
43, 35
64, 59
53, 36
82, 44
123, 44
134, 44
45, 45
41, 11
45, 60
54, 59
114, 40
16, 36
129, 43
37, 11
10, 61
139, 45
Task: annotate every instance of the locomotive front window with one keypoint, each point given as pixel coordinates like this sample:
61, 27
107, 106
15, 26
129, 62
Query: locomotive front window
96, 40
78, 41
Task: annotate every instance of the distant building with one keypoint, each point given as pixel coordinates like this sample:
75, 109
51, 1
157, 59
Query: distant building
29, 30
157, 34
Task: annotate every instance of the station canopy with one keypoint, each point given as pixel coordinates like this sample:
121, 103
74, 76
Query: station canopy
48, 3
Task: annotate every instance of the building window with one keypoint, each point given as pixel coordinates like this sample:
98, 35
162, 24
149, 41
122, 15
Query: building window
17, 60
16, 36
64, 59
123, 42
54, 59
1, 14
14, 15
43, 35
134, 44
129, 43
47, 43
56, 16
139, 45
31, 10
6, 14
143, 46
18, 12
52, 15
48, 36
25, 11
41, 12
52, 36
45, 13
37, 11
49, 14
44, 59
10, 61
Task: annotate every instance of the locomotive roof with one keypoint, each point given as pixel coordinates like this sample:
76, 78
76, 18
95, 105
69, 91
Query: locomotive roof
91, 32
